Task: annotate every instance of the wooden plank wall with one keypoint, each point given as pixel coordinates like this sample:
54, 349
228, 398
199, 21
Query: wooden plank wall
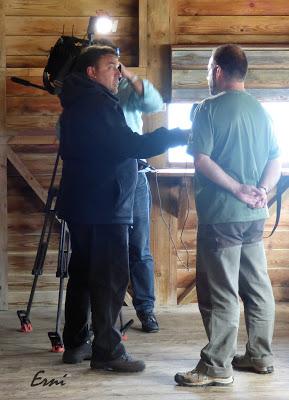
200, 23
205, 22
3, 170
277, 249
31, 29
267, 78
239, 21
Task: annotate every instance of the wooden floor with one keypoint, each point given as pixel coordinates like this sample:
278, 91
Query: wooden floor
175, 348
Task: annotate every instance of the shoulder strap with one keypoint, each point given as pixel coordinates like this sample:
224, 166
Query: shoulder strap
278, 199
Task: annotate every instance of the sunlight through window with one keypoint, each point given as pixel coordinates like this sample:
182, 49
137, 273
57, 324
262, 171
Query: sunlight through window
279, 113
179, 116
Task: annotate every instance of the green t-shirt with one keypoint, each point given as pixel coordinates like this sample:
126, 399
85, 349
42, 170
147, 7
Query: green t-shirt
236, 132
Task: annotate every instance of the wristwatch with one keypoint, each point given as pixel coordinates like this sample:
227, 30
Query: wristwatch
264, 188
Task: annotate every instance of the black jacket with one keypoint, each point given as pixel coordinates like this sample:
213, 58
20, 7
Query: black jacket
99, 153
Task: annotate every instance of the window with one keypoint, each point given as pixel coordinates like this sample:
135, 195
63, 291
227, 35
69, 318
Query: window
279, 112
267, 80
179, 116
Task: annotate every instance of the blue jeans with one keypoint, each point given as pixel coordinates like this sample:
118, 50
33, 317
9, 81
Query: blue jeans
140, 259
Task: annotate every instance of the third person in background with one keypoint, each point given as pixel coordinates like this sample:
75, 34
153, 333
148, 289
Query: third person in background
137, 96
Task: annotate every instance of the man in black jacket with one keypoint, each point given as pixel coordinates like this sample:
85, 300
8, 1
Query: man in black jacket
99, 153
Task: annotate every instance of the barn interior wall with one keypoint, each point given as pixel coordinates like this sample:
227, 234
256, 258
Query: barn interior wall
28, 116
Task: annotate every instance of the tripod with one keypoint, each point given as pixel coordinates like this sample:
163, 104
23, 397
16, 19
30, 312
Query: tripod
64, 251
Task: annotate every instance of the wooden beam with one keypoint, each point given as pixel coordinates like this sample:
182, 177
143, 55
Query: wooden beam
142, 29
188, 294
26, 174
2, 68
3, 169
214, 40
194, 57
226, 25
38, 72
158, 70
173, 6
47, 26
159, 45
233, 8
164, 228
33, 139
3, 229
128, 299
71, 8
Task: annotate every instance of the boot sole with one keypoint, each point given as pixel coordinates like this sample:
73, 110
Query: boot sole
269, 370
150, 330
115, 368
75, 360
213, 383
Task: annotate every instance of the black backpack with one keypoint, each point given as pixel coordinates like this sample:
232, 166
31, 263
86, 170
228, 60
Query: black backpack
61, 61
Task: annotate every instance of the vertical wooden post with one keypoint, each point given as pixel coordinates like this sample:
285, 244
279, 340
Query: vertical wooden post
173, 5
160, 21
158, 72
3, 169
3, 226
142, 32
159, 45
164, 228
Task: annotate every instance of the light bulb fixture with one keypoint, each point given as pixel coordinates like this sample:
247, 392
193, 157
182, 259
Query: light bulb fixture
104, 25
101, 24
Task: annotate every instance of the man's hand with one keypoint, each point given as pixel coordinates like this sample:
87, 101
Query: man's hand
125, 73
251, 195
262, 202
135, 81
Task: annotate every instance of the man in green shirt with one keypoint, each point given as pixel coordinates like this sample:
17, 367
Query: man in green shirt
236, 161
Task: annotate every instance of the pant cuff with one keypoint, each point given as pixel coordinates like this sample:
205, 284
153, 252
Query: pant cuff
101, 355
262, 362
214, 371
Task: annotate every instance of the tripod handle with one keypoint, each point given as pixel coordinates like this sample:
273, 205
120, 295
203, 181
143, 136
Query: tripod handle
24, 82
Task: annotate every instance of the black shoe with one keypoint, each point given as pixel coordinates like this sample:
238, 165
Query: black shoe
124, 363
148, 321
77, 354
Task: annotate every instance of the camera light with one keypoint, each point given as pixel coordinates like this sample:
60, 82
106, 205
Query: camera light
105, 25
101, 24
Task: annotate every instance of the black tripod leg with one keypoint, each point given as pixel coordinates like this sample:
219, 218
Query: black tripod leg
62, 272
56, 337
23, 315
124, 327
37, 270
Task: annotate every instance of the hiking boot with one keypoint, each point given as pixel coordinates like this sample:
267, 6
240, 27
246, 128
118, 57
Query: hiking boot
77, 354
148, 321
246, 363
197, 378
124, 363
